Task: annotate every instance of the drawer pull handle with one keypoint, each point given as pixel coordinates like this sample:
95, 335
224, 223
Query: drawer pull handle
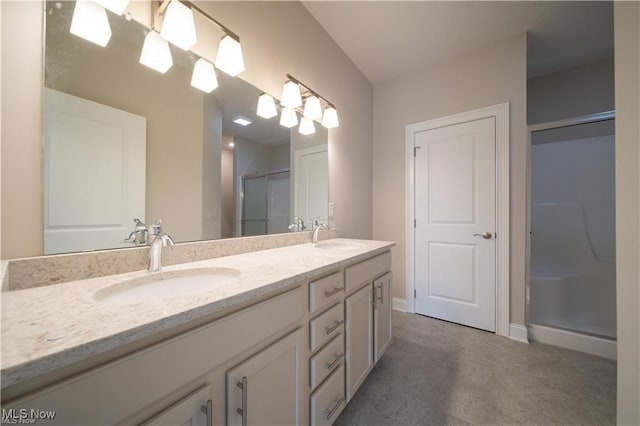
208, 411
380, 286
334, 327
330, 411
333, 291
243, 411
330, 365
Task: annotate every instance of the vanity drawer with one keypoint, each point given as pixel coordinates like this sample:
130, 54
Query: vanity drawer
367, 270
325, 361
326, 326
328, 401
325, 291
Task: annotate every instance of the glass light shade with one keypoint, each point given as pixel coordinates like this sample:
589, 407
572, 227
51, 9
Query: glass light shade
155, 53
229, 57
306, 126
312, 108
204, 76
266, 106
330, 118
116, 6
178, 26
291, 95
288, 118
90, 22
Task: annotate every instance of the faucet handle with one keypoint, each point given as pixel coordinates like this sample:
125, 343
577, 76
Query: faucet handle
157, 227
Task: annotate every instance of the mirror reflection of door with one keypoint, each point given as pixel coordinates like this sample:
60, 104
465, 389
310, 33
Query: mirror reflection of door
265, 203
311, 184
94, 167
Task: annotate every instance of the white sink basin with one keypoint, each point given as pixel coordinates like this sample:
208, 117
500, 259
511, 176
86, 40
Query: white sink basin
339, 245
166, 285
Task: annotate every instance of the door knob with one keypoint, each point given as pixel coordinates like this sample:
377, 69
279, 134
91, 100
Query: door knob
485, 235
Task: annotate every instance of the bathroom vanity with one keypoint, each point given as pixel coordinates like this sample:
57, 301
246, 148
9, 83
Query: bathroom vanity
286, 336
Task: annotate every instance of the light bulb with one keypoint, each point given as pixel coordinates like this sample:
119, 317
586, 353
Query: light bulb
288, 117
306, 127
291, 95
266, 106
178, 26
204, 76
90, 22
330, 118
229, 57
312, 108
155, 53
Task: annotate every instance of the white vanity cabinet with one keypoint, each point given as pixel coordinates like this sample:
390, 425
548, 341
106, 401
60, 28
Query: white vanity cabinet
368, 317
149, 384
266, 388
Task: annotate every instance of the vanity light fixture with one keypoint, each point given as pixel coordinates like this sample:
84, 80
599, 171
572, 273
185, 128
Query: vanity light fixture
291, 97
229, 57
178, 26
204, 76
243, 121
330, 118
155, 53
116, 6
306, 126
312, 108
231, 144
266, 106
90, 22
288, 117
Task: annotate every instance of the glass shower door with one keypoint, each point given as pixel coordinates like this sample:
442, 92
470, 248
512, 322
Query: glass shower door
254, 206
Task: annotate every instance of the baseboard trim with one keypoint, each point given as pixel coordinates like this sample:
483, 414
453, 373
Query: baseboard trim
578, 342
518, 332
399, 304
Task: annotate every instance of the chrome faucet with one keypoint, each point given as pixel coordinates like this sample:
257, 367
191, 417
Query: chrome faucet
139, 234
157, 240
316, 228
297, 225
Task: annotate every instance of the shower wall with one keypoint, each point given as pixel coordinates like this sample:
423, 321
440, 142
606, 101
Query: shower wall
572, 283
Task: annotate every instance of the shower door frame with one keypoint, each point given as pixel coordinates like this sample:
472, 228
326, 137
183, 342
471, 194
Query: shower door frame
240, 212
558, 124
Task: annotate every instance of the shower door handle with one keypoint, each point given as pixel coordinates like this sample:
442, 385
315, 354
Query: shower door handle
485, 235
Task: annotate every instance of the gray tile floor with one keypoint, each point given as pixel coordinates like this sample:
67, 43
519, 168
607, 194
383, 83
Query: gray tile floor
437, 373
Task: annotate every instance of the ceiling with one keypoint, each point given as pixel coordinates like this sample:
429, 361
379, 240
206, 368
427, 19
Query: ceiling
390, 39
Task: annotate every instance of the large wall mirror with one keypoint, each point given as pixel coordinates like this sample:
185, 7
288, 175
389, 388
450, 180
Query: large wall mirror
122, 141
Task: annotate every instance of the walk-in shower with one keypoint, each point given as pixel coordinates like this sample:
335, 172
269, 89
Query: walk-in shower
572, 283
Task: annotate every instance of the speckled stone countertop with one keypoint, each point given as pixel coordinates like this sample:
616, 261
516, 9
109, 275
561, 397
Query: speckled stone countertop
47, 328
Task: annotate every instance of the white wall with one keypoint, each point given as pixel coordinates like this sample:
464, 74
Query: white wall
575, 92
22, 174
277, 38
485, 77
627, 75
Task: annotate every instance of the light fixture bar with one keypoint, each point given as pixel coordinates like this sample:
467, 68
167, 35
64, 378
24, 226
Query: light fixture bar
159, 7
313, 92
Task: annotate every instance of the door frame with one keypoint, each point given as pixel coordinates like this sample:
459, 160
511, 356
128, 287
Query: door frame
501, 114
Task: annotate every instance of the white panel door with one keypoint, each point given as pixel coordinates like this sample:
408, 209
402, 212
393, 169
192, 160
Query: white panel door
455, 211
94, 174
359, 337
311, 183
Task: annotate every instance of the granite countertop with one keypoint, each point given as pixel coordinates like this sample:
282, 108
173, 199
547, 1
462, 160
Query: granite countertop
47, 328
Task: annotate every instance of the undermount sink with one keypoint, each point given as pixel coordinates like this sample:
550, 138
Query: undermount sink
166, 285
339, 245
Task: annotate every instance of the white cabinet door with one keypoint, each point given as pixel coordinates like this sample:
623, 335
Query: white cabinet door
193, 410
266, 389
359, 335
382, 333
